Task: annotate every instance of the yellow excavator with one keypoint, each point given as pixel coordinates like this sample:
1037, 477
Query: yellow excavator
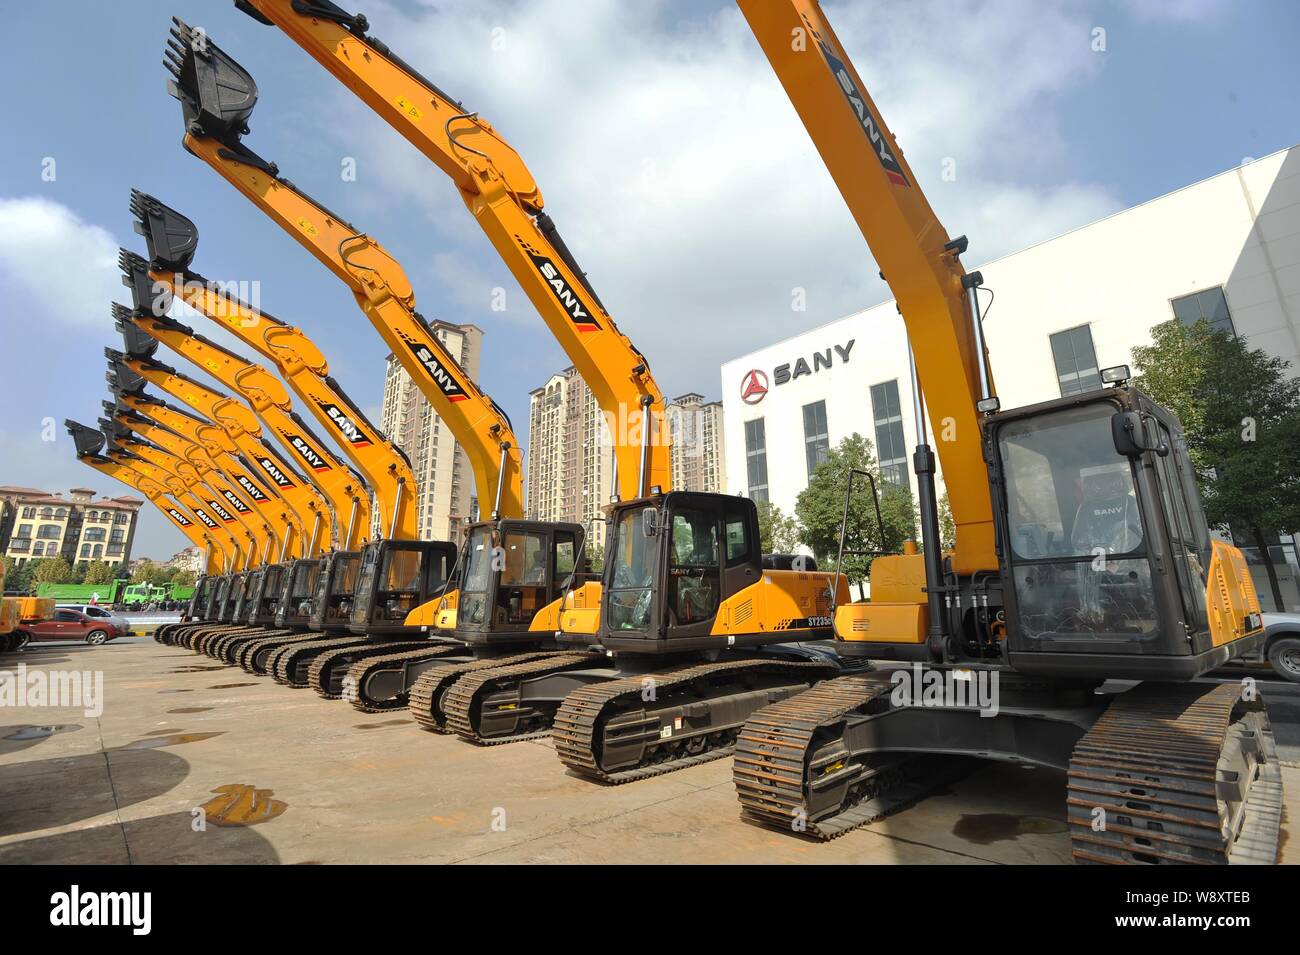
18, 612
688, 606
512, 620
292, 504
1082, 556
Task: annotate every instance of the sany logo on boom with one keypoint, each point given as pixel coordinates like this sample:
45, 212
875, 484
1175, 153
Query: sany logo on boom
178, 517
858, 102
224, 514
204, 518
235, 502
278, 476
349, 428
436, 370
253, 490
561, 289
309, 454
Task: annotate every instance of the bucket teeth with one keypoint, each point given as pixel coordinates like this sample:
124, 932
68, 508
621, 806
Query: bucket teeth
172, 238
217, 94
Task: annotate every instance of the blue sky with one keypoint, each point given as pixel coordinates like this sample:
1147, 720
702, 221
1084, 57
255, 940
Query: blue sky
666, 151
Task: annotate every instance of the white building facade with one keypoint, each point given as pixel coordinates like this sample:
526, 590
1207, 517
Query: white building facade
1226, 248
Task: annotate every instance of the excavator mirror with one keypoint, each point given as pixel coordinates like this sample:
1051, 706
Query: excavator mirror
1132, 436
650, 522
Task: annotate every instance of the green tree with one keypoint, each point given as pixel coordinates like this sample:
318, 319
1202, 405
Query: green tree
596, 554
98, 573
53, 570
148, 572
183, 578
1240, 410
18, 578
820, 510
947, 527
777, 532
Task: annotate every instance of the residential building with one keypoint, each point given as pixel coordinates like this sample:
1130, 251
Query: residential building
699, 463
80, 528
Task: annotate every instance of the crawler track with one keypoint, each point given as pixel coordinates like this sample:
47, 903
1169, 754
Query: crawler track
463, 701
360, 671
320, 675
583, 727
1173, 774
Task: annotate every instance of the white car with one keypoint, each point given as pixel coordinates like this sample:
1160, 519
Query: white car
98, 612
1281, 645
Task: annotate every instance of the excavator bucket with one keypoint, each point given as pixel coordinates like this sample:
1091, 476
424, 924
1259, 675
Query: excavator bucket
172, 239
118, 433
120, 378
216, 93
147, 296
89, 441
137, 343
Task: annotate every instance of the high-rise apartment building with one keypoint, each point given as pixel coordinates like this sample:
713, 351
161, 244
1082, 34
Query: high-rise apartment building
570, 465
699, 462
443, 476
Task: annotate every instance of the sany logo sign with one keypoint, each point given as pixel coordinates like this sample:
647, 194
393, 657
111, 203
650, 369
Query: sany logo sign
870, 124
436, 370
204, 518
309, 454
753, 387
235, 502
341, 420
224, 514
561, 289
178, 517
253, 490
278, 476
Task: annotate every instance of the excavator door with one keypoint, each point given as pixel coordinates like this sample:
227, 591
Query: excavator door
395, 577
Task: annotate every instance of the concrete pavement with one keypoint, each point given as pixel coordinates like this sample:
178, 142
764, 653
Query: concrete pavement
298, 779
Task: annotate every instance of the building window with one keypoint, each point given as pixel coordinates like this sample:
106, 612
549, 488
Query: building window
756, 458
49, 531
94, 534
891, 447
816, 442
24, 530
1076, 361
1210, 305
38, 549
29, 512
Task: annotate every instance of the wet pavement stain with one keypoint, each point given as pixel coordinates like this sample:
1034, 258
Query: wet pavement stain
241, 804
196, 669
190, 709
229, 686
175, 691
175, 739
986, 828
375, 726
22, 733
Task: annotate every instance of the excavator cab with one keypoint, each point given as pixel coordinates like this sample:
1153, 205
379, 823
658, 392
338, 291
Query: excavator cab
1108, 567
672, 563
514, 573
267, 589
297, 589
199, 599
336, 583
223, 603
393, 578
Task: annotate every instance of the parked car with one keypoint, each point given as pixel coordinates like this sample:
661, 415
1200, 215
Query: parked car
68, 624
1281, 647
101, 612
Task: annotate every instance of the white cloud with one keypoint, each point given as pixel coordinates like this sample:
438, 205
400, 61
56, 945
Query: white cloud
55, 265
1185, 10
683, 180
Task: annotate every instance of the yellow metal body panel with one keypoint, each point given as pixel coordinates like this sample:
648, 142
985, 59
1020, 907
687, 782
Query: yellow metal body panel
504, 199
436, 614
780, 600
1230, 596
581, 612
33, 609
10, 616
906, 239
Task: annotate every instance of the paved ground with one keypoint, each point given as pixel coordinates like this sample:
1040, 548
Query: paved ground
310, 780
